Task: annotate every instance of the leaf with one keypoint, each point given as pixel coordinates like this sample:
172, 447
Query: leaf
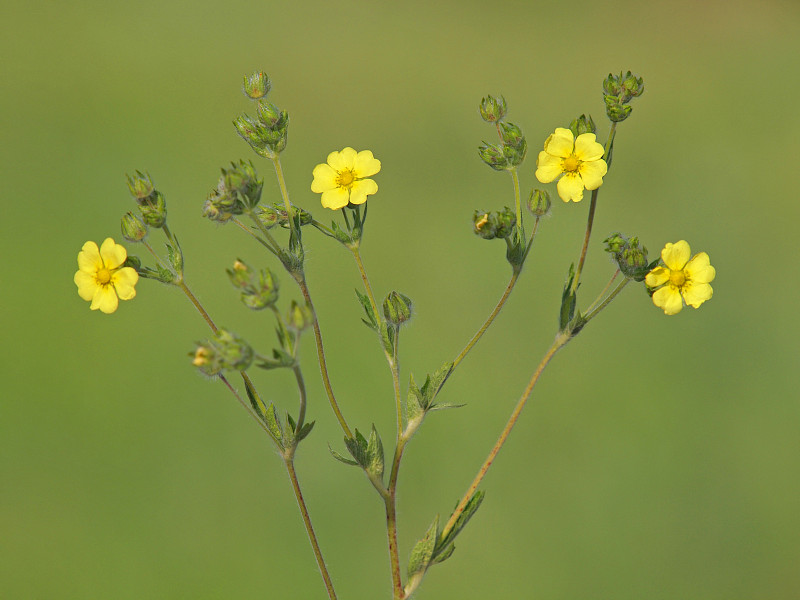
375, 454
442, 545
434, 407
341, 458
271, 419
414, 407
372, 322
387, 337
443, 555
422, 552
435, 382
305, 430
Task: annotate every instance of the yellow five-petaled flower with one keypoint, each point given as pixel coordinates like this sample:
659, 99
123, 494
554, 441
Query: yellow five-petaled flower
681, 279
101, 278
343, 179
580, 161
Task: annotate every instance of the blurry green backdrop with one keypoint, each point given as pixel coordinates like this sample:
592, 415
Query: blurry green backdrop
660, 457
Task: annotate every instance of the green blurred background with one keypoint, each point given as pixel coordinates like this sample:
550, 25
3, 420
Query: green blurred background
660, 456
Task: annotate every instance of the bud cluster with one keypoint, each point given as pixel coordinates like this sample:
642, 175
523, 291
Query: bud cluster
491, 225
397, 308
238, 189
226, 351
151, 202
618, 92
511, 151
630, 256
277, 215
259, 289
267, 133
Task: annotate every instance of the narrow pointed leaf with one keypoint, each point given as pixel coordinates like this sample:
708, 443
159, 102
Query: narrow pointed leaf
422, 552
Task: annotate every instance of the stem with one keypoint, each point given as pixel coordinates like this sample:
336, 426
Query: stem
512, 282
276, 161
515, 179
590, 221
301, 387
560, 342
590, 314
185, 289
326, 381
603, 293
362, 271
274, 248
309, 529
390, 500
247, 406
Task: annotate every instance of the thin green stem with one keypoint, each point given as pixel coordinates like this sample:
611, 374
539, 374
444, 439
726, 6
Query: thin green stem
323, 228
512, 282
276, 161
517, 203
247, 406
603, 293
301, 387
560, 341
309, 529
363, 272
270, 245
592, 313
301, 282
390, 500
185, 289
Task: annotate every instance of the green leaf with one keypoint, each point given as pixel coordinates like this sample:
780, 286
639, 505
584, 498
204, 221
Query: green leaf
305, 430
271, 419
372, 322
414, 406
375, 454
443, 543
422, 552
357, 447
387, 337
569, 301
341, 458
435, 382
444, 554
434, 407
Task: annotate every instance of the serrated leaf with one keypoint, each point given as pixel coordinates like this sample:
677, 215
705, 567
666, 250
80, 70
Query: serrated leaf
341, 458
434, 407
422, 552
271, 419
435, 382
357, 447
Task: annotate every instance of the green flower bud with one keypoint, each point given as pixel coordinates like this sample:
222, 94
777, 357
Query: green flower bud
397, 308
255, 134
259, 290
483, 226
582, 124
539, 203
242, 180
282, 216
630, 256
492, 109
300, 317
493, 155
141, 186
271, 116
632, 86
505, 221
511, 135
268, 216
225, 352
133, 229
616, 109
154, 210
611, 85
615, 243
257, 85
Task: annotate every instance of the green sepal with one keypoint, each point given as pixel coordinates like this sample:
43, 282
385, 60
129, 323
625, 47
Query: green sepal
273, 424
422, 552
444, 545
515, 254
372, 323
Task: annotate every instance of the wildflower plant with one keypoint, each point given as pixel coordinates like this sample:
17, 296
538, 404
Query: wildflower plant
572, 157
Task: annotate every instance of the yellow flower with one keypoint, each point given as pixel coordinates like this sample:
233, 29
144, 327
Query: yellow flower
579, 160
101, 278
681, 279
342, 180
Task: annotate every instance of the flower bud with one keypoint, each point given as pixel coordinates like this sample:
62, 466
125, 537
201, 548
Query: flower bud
397, 308
630, 256
259, 290
141, 186
483, 226
241, 180
632, 86
505, 221
493, 155
133, 229
300, 316
616, 109
582, 124
492, 109
271, 116
257, 85
615, 243
511, 134
154, 210
226, 351
267, 216
539, 203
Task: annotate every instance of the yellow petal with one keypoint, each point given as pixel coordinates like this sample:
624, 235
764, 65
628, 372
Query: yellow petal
548, 167
592, 173
342, 160
699, 269
366, 164
124, 280
570, 187
335, 199
561, 143
113, 255
656, 277
89, 258
361, 189
587, 148
324, 179
87, 285
676, 255
696, 293
668, 299
105, 298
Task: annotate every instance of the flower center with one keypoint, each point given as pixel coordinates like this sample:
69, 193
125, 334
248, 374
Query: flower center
103, 276
345, 178
571, 164
677, 278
